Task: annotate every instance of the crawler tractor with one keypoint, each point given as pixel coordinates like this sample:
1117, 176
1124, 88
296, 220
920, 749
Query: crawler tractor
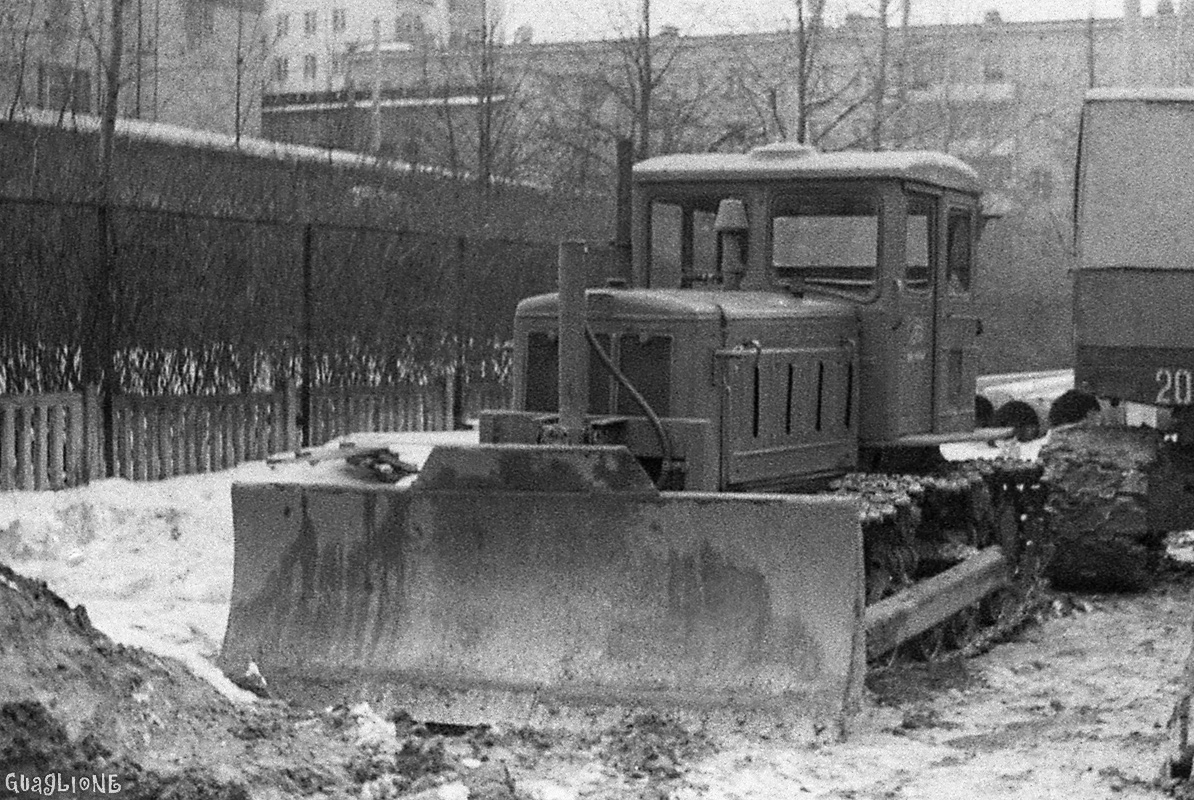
689, 503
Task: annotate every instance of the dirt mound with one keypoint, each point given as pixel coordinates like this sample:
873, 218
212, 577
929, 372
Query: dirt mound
652, 746
75, 706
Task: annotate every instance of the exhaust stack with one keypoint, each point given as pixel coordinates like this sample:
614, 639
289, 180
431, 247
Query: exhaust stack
573, 348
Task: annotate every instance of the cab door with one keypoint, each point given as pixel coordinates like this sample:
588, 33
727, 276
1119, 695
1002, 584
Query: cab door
957, 323
914, 330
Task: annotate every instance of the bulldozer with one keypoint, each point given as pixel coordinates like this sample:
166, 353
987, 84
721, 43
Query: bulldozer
691, 502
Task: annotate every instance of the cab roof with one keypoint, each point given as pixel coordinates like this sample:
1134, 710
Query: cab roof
788, 160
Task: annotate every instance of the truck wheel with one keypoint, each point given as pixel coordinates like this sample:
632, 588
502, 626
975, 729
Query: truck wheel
1021, 417
1072, 406
984, 412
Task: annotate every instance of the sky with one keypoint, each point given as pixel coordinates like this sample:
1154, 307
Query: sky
589, 19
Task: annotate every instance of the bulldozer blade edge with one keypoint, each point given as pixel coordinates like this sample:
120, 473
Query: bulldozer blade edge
463, 600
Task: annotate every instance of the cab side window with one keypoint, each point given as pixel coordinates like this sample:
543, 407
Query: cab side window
960, 237
684, 238
919, 242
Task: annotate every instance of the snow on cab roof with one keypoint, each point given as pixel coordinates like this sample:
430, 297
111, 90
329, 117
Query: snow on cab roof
796, 161
1163, 94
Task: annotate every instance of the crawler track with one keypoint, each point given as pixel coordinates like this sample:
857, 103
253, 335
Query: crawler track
918, 526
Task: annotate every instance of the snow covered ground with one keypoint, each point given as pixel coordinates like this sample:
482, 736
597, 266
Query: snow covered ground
152, 562
1074, 708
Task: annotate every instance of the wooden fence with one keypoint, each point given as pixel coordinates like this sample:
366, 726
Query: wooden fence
44, 440
52, 441
159, 437
335, 412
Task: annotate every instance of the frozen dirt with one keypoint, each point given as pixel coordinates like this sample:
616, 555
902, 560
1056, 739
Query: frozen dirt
1074, 706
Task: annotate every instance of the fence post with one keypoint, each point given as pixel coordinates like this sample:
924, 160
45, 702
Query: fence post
8, 446
56, 441
93, 431
290, 433
167, 412
24, 448
153, 457
73, 463
458, 406
40, 441
138, 468
345, 414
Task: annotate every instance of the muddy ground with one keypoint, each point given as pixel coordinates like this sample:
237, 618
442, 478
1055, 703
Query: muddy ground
1072, 706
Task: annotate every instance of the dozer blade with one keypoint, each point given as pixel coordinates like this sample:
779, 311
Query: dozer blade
523, 584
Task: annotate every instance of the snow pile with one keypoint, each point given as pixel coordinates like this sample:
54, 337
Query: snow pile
1007, 448
152, 562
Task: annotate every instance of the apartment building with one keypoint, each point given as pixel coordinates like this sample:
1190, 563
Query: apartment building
315, 45
195, 63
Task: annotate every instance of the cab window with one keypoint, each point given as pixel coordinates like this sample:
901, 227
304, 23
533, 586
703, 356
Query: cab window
830, 239
683, 237
918, 243
960, 237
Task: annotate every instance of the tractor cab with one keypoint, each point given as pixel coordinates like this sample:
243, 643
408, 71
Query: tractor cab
892, 235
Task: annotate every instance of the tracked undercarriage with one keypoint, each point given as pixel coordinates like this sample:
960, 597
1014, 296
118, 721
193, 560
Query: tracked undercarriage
918, 527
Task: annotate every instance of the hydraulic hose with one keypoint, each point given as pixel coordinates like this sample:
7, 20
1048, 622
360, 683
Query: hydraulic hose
665, 441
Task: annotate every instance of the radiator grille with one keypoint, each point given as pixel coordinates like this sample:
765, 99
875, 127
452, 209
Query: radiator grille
646, 363
543, 359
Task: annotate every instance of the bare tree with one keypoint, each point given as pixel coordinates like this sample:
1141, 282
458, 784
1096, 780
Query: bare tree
111, 96
475, 121
810, 24
879, 88
649, 88
51, 35
17, 29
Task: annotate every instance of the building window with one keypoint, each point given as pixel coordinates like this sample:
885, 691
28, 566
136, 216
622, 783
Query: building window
409, 28
920, 70
339, 20
282, 26
281, 69
310, 20
310, 67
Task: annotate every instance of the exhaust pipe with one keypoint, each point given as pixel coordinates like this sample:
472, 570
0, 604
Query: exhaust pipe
573, 347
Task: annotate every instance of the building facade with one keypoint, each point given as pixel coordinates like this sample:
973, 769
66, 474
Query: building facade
1003, 95
194, 63
316, 47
